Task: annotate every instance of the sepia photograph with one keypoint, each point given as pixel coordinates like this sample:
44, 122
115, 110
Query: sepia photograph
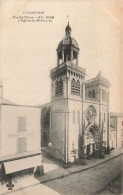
61, 108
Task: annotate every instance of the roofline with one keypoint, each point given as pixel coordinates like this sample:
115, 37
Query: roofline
49, 103
5, 104
97, 79
7, 100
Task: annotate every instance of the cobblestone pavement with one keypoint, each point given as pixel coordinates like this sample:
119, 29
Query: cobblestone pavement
91, 181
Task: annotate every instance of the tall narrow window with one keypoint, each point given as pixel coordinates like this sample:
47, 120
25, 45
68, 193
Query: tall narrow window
89, 93
78, 87
73, 86
22, 124
93, 93
59, 87
73, 116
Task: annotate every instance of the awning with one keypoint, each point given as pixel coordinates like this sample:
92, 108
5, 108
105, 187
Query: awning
21, 164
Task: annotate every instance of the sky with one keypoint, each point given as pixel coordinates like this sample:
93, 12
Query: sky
28, 50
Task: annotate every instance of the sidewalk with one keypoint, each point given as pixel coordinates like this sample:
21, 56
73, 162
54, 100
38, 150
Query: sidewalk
27, 185
53, 171
19, 183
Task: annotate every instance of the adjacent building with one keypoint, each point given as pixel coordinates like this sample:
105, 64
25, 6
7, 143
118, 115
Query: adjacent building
116, 130
20, 143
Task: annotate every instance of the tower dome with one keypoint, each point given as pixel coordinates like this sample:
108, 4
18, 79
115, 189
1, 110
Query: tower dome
68, 40
68, 48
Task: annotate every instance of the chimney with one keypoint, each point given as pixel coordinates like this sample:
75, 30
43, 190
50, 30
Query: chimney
1, 89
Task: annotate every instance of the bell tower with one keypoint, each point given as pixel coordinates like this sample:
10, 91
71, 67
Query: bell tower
66, 99
67, 50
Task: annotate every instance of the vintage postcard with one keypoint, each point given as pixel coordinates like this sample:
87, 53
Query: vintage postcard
61, 111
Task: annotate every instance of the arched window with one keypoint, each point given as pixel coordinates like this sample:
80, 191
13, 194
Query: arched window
73, 86
89, 93
93, 93
59, 87
78, 87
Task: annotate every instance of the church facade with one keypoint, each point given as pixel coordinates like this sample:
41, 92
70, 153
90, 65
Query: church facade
79, 109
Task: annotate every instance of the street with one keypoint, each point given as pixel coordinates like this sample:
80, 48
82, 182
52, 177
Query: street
114, 187
89, 181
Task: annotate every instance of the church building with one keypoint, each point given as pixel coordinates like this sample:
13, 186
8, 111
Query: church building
78, 113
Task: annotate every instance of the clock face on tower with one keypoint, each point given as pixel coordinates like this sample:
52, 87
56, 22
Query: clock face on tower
90, 113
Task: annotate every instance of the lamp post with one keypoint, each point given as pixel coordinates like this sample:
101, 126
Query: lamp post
50, 146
